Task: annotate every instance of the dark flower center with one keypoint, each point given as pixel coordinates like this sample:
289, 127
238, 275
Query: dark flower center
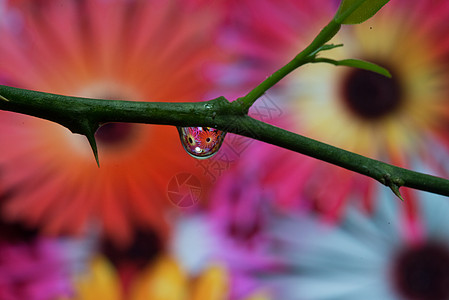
130, 260
146, 246
422, 272
370, 95
114, 133
16, 232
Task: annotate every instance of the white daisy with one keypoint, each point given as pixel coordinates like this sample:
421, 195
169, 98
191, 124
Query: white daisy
366, 257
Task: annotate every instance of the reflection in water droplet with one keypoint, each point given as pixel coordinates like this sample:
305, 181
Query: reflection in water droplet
201, 142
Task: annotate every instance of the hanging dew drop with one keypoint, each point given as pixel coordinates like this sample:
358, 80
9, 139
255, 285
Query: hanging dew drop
201, 142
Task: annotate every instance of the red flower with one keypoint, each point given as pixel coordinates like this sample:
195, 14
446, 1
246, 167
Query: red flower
135, 50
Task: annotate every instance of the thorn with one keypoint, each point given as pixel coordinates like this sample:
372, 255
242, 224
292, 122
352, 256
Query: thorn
395, 189
93, 145
3, 98
88, 129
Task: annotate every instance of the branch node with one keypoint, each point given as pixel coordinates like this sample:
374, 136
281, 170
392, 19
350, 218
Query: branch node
393, 183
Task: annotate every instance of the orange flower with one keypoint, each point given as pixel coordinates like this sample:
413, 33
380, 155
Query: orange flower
119, 49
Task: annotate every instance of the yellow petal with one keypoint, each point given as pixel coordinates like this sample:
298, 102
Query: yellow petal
164, 280
213, 284
101, 282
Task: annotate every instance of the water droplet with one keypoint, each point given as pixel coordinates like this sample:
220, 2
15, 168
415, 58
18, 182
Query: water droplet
201, 142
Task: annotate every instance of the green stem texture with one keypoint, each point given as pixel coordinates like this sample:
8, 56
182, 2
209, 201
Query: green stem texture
74, 113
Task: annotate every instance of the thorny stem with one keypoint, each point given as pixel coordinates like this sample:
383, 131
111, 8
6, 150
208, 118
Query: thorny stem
75, 113
84, 116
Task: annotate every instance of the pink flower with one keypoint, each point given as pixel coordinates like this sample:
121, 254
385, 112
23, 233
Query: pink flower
234, 229
35, 270
402, 120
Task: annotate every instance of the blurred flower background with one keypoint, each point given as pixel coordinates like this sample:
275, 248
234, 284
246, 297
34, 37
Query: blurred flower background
254, 221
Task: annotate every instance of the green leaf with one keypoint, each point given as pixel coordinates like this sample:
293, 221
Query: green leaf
326, 47
366, 65
357, 11
356, 63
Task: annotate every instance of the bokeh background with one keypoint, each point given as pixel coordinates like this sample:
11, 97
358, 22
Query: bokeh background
254, 221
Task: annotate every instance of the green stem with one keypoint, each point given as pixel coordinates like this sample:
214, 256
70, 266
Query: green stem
305, 56
388, 175
75, 113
